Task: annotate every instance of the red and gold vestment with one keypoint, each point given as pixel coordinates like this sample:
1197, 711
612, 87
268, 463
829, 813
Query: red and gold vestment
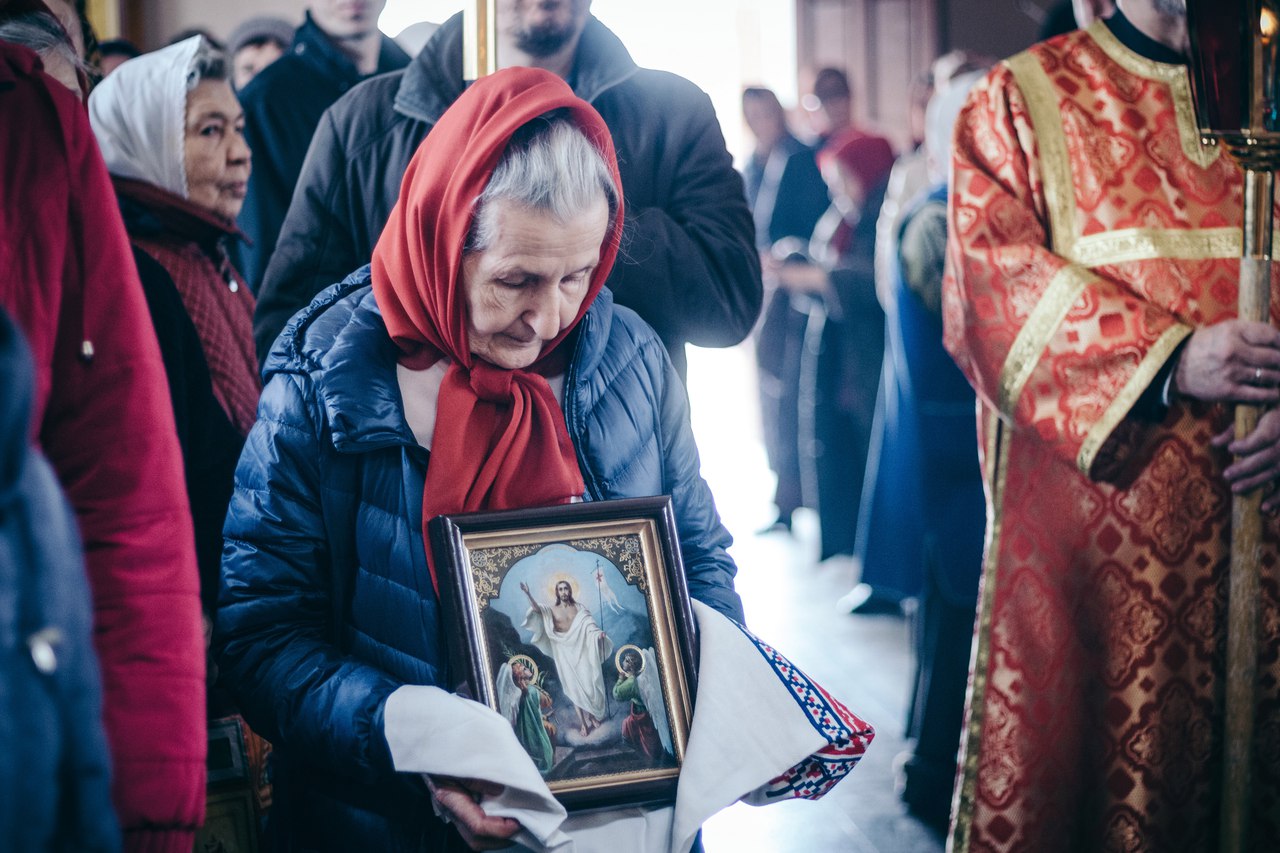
1091, 234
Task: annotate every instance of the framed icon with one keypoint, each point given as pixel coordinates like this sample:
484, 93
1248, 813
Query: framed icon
574, 623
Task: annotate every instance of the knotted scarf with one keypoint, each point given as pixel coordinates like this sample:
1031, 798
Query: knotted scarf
500, 437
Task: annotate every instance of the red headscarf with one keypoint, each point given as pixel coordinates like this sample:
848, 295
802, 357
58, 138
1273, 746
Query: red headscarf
500, 438
869, 157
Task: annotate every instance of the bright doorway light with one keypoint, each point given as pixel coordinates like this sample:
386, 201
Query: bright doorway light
721, 45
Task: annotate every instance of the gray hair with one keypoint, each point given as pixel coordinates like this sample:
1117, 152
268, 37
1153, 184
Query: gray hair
550, 166
41, 32
209, 63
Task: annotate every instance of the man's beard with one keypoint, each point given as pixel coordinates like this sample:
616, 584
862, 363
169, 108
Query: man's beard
544, 40
1172, 8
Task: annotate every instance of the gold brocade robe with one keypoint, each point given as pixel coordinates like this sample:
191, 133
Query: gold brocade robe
1090, 234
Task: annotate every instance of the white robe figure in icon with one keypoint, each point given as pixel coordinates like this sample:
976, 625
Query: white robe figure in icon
569, 634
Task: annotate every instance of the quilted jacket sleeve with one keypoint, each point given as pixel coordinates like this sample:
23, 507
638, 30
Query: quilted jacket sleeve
276, 635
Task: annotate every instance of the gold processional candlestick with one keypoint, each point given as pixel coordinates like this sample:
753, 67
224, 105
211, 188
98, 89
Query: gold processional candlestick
1234, 83
479, 39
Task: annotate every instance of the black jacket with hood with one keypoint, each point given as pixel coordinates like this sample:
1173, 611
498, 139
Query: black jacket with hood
688, 263
282, 106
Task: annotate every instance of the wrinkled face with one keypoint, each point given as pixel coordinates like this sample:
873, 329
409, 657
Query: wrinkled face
251, 59
215, 154
344, 19
542, 27
564, 592
526, 288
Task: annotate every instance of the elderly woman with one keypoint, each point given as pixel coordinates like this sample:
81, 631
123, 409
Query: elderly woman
172, 134
478, 364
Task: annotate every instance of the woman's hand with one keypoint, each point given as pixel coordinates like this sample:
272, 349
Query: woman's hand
459, 800
1236, 361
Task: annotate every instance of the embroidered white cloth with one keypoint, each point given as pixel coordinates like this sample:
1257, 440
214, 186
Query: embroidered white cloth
762, 731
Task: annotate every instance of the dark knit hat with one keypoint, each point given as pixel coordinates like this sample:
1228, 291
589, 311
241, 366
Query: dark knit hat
258, 30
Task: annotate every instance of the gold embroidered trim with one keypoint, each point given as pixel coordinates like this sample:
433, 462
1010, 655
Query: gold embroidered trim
971, 744
1055, 162
1129, 394
1175, 77
1035, 334
1146, 244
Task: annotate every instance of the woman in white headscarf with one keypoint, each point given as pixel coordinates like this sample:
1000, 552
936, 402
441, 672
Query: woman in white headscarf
172, 134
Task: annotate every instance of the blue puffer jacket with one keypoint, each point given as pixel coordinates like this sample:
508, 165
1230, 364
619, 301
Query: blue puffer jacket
326, 604
55, 790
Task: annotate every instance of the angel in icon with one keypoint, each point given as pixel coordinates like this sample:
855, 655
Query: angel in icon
646, 727
526, 706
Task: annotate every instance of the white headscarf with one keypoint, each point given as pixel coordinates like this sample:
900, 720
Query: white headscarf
139, 115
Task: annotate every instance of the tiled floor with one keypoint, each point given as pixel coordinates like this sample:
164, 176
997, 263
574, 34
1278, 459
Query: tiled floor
790, 601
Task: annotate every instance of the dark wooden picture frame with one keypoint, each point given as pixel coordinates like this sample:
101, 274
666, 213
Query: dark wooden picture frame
503, 579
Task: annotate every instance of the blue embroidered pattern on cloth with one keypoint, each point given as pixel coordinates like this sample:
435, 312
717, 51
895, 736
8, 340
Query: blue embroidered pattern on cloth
846, 734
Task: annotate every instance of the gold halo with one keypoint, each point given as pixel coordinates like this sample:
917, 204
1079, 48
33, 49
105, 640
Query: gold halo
617, 657
527, 661
567, 578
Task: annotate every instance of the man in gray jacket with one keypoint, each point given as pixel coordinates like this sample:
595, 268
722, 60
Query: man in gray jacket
688, 263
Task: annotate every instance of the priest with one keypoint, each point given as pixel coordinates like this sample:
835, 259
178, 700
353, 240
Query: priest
1090, 300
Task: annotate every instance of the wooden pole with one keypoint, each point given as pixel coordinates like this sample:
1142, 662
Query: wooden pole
1246, 537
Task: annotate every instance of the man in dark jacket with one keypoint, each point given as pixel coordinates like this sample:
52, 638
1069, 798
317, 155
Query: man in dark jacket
335, 48
688, 264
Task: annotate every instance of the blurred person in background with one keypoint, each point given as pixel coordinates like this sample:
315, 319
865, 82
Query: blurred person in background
101, 415
829, 103
890, 534
845, 332
337, 46
113, 52
787, 197
254, 44
951, 511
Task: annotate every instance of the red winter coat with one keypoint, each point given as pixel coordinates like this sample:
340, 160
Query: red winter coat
102, 416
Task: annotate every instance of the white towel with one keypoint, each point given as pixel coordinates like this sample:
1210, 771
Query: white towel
762, 731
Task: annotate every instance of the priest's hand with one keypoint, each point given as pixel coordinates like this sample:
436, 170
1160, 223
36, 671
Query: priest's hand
1235, 361
1257, 458
459, 800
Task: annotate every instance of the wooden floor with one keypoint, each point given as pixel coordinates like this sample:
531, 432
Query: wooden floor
790, 602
